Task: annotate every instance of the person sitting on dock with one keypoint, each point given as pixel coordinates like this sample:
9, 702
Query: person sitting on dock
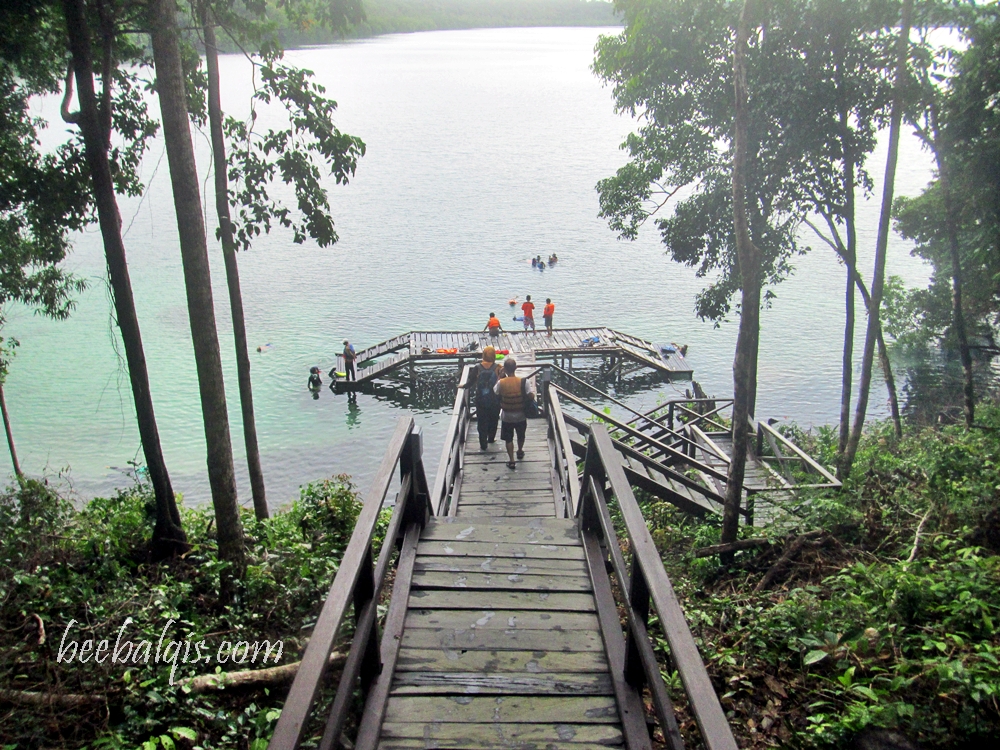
349, 356
528, 309
512, 416
493, 326
484, 377
547, 312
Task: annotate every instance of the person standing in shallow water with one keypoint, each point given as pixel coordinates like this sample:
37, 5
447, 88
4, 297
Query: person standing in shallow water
512, 418
485, 376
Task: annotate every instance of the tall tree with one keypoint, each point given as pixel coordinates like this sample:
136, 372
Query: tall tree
749, 258
95, 125
232, 268
882, 241
170, 87
312, 141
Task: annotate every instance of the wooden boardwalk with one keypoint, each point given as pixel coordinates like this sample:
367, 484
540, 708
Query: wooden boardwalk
502, 645
565, 344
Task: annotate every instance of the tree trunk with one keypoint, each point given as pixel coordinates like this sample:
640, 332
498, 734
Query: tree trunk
232, 270
168, 535
882, 242
957, 314
198, 285
10, 437
748, 256
847, 365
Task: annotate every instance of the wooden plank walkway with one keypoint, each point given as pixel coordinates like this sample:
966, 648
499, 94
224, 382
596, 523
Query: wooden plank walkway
565, 344
502, 646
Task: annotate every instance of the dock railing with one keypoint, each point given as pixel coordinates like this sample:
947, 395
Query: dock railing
641, 584
359, 583
447, 483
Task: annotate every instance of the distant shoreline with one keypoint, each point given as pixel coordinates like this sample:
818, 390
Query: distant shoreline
409, 16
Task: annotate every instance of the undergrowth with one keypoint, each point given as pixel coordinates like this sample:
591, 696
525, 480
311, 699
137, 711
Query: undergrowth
59, 565
874, 625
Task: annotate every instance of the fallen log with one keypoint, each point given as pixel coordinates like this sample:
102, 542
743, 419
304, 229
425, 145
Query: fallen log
252, 678
791, 552
49, 700
740, 544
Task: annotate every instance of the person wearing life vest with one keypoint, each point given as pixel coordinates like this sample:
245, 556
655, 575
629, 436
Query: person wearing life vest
547, 312
484, 377
493, 326
512, 417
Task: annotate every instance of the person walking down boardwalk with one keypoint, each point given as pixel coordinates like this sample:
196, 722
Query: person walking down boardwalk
512, 417
528, 310
493, 326
349, 356
547, 312
485, 376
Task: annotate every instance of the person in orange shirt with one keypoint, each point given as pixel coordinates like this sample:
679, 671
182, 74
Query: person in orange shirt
493, 326
547, 314
528, 310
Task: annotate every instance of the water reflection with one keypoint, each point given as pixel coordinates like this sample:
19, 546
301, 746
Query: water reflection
353, 411
933, 381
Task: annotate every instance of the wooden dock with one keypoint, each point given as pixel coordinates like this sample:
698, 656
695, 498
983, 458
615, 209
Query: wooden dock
565, 345
502, 644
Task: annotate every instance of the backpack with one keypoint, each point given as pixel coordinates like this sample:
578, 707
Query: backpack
531, 410
485, 397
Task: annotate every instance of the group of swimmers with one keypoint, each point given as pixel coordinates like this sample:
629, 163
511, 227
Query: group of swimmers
538, 263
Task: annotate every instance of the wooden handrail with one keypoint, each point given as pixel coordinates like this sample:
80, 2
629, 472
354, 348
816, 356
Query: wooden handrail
564, 452
456, 433
815, 465
357, 582
649, 583
658, 444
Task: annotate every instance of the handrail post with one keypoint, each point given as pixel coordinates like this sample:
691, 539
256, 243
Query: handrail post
411, 462
544, 378
638, 597
364, 590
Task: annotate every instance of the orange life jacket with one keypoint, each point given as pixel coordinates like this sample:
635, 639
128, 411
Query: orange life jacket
494, 322
549, 310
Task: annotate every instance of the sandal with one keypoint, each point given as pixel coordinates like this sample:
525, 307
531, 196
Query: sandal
520, 454
511, 465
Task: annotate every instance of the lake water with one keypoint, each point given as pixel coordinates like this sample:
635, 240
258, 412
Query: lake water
484, 147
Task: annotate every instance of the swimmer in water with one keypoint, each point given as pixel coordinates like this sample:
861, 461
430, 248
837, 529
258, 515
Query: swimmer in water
315, 381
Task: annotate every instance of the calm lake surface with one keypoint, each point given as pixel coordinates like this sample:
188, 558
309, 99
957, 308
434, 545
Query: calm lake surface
484, 147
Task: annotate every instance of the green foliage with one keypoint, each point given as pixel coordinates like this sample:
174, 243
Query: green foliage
291, 154
92, 566
858, 634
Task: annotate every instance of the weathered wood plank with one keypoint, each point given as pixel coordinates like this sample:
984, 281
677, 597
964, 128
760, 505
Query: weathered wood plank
509, 683
528, 709
466, 660
472, 744
511, 510
500, 533
446, 548
498, 495
500, 619
548, 641
499, 581
503, 565
499, 735
537, 523
493, 600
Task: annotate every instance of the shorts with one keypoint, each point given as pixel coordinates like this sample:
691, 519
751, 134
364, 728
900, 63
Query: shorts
495, 333
548, 320
507, 430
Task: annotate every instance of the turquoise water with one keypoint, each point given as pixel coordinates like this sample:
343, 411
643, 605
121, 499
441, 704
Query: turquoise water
483, 150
